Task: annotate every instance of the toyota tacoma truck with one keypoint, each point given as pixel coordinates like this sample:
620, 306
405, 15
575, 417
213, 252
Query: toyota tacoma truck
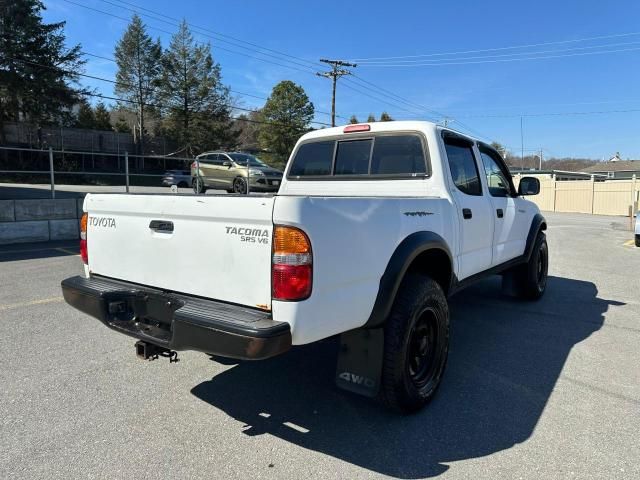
374, 226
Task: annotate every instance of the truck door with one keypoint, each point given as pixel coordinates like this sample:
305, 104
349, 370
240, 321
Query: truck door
510, 231
472, 204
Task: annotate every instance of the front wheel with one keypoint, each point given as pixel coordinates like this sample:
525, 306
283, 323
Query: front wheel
531, 278
416, 345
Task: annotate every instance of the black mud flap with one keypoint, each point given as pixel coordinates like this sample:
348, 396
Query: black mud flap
360, 361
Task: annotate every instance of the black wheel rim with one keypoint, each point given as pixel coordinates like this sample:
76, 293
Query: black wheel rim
423, 350
541, 268
238, 185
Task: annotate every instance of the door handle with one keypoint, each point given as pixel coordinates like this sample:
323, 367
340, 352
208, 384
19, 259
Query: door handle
467, 213
161, 226
500, 213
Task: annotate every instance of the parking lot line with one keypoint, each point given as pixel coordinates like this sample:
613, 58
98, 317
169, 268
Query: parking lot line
65, 250
11, 306
629, 243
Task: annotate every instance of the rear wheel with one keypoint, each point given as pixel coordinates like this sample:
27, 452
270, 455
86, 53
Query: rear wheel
198, 185
416, 345
637, 240
239, 185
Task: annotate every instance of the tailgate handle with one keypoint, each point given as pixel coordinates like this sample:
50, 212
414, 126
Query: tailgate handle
161, 226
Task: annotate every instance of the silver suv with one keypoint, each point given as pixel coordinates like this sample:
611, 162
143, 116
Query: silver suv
233, 171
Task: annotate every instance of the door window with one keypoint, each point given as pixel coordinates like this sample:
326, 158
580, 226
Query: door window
498, 182
462, 165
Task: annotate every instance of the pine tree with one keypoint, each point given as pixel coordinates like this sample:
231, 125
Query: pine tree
195, 101
38, 72
371, 118
102, 117
138, 59
85, 117
288, 113
353, 119
122, 126
385, 117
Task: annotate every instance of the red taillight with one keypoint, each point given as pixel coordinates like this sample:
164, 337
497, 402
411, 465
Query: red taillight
291, 282
356, 128
292, 270
84, 252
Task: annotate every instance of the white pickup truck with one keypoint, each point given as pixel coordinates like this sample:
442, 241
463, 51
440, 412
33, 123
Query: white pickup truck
373, 227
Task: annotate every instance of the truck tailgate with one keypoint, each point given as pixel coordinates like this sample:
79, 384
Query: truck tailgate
214, 246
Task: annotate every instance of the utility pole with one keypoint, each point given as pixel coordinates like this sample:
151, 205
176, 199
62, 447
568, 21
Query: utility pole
335, 73
522, 143
540, 167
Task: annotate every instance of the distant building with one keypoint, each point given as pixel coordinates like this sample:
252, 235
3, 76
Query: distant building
616, 168
559, 175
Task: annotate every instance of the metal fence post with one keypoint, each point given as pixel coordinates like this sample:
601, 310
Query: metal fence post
248, 176
53, 184
126, 169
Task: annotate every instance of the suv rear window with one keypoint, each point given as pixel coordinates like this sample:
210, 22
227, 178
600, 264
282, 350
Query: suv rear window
391, 155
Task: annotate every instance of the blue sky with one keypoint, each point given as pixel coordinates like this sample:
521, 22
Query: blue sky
483, 91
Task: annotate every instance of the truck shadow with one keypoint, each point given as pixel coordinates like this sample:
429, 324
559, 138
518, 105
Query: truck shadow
505, 358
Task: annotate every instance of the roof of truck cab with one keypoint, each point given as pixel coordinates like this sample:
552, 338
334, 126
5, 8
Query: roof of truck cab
392, 126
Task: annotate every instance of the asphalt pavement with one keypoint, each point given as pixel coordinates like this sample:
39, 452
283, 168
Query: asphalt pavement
532, 390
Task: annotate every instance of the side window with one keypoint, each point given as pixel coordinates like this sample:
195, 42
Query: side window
352, 157
498, 183
215, 159
397, 155
462, 164
313, 159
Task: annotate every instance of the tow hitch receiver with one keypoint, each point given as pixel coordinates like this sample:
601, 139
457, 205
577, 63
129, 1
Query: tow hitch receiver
149, 351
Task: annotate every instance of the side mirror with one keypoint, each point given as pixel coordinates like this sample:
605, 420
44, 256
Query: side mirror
226, 164
529, 186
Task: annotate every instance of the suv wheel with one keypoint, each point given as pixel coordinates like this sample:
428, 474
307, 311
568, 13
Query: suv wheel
198, 185
416, 345
239, 185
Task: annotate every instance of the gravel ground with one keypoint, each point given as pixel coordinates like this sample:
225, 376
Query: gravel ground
532, 390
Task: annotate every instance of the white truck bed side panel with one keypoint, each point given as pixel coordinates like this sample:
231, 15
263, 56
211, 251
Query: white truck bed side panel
352, 241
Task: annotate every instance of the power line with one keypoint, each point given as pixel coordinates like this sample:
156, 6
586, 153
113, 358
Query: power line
230, 89
600, 37
335, 73
151, 104
312, 63
425, 109
489, 57
543, 57
213, 35
171, 33
547, 114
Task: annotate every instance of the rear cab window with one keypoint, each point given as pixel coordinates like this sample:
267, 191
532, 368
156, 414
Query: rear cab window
377, 156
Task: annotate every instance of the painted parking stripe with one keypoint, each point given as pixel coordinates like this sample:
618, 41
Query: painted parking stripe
65, 250
42, 301
629, 243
